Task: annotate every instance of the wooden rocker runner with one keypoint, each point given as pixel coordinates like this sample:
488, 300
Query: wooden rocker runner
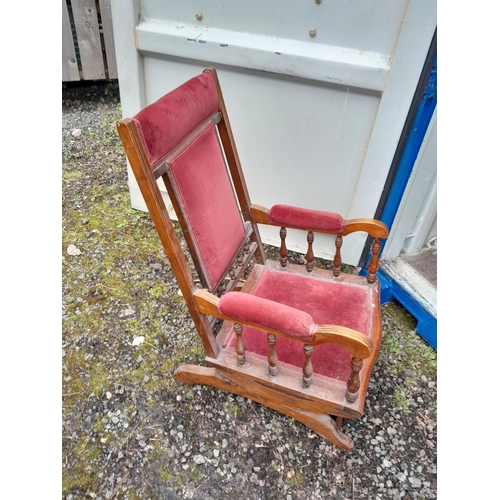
298, 339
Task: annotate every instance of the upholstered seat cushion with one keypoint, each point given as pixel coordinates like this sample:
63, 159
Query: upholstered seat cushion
328, 302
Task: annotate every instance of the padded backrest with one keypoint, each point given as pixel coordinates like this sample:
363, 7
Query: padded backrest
179, 131
165, 123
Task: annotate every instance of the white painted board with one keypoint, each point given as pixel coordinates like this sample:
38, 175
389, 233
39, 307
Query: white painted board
415, 223
316, 119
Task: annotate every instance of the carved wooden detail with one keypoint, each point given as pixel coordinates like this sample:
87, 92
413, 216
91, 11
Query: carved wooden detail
307, 369
240, 263
373, 265
310, 254
283, 250
240, 347
337, 260
272, 357
351, 393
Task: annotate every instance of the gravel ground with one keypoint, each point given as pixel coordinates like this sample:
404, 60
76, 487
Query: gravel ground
130, 431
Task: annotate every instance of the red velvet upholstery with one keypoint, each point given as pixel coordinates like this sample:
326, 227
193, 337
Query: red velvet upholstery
294, 217
208, 202
165, 123
328, 302
197, 171
267, 313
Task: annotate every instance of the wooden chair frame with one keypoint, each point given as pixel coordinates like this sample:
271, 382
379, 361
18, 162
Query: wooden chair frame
309, 399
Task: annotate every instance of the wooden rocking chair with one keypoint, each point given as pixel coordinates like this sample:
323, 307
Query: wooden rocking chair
326, 319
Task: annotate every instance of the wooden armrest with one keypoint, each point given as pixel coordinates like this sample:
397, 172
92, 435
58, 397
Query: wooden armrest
373, 227
359, 345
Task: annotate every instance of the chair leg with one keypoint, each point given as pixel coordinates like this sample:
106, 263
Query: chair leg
322, 424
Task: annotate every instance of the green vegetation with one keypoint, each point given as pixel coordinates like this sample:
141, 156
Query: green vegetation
410, 358
409, 351
401, 399
165, 475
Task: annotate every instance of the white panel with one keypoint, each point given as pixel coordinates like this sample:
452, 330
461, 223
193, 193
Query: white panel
130, 71
130, 74
425, 221
417, 29
284, 157
432, 234
305, 119
305, 59
367, 25
416, 215
353, 43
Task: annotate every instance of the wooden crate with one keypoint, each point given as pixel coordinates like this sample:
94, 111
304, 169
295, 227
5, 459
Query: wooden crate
88, 48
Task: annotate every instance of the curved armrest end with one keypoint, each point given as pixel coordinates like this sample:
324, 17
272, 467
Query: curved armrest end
373, 227
260, 214
358, 344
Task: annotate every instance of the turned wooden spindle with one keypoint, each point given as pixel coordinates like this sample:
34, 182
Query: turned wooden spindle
283, 250
232, 273
337, 260
272, 357
240, 347
351, 392
310, 254
373, 265
307, 369
246, 248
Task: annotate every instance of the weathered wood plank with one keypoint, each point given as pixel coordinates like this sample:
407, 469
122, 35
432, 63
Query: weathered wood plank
89, 39
70, 71
109, 40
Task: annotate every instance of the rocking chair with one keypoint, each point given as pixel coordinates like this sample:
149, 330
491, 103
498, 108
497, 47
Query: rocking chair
279, 320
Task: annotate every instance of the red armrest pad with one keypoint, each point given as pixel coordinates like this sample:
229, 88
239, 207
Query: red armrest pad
291, 217
268, 314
